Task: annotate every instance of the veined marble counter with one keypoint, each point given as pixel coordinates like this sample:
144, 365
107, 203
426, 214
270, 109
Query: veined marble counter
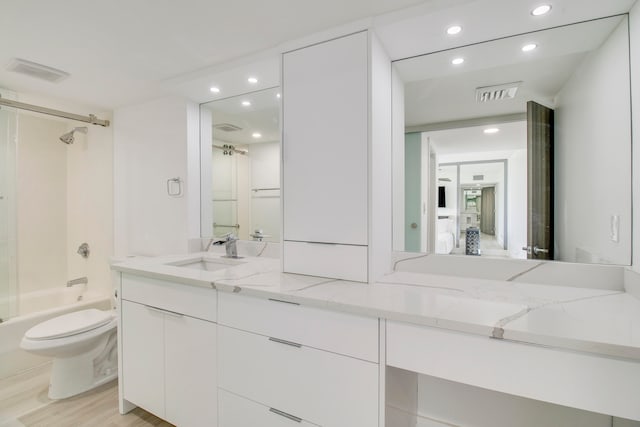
600, 321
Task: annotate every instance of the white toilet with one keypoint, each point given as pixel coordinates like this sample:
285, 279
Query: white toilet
83, 347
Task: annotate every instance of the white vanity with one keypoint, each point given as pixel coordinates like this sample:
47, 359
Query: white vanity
249, 345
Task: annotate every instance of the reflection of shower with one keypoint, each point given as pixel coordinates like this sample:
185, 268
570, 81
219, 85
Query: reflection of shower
68, 138
229, 149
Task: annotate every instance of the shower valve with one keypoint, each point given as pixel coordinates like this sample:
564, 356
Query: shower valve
83, 250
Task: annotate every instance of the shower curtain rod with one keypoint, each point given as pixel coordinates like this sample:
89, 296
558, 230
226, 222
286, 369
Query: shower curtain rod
87, 119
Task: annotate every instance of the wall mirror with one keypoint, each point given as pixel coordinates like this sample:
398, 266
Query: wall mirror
240, 166
523, 143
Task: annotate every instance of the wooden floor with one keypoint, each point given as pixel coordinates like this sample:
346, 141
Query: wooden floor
24, 402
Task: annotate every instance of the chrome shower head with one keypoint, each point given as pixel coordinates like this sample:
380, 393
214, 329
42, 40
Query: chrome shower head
68, 138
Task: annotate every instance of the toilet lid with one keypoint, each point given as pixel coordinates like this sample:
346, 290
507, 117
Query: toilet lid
69, 324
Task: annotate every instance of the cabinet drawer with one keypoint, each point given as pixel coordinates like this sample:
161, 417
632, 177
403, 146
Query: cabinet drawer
325, 388
237, 411
190, 300
342, 333
346, 262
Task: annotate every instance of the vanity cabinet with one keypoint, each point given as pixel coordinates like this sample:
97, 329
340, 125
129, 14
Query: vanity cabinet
331, 152
168, 349
299, 363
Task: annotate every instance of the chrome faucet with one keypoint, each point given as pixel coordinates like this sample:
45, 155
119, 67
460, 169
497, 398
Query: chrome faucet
230, 246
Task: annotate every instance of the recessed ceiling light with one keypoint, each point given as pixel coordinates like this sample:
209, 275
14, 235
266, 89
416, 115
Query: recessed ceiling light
246, 103
278, 95
541, 10
457, 61
529, 47
454, 29
214, 89
491, 130
252, 80
256, 135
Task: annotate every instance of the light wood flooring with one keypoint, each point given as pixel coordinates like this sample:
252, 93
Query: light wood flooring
24, 403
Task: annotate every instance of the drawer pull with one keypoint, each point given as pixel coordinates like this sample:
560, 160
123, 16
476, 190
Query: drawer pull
159, 310
285, 342
284, 414
282, 301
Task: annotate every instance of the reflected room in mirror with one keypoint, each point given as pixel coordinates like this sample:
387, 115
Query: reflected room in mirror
526, 139
240, 166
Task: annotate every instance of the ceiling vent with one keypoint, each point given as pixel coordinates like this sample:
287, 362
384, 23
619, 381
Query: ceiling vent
227, 127
444, 179
497, 92
36, 70
478, 177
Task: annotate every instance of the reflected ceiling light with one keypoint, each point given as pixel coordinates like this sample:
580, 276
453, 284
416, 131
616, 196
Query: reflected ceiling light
529, 47
214, 89
246, 103
457, 61
278, 95
256, 135
541, 10
252, 80
454, 29
489, 131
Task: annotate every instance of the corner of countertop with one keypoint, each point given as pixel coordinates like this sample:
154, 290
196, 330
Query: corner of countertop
632, 282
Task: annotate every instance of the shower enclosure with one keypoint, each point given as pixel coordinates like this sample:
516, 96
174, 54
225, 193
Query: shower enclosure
51, 190
8, 279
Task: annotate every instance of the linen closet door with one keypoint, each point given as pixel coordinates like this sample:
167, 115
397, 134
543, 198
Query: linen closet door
325, 140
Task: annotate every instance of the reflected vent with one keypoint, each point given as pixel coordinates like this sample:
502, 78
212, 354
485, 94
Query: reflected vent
227, 127
478, 177
36, 70
498, 92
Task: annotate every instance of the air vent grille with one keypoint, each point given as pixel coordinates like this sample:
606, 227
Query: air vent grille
497, 92
478, 177
227, 127
37, 71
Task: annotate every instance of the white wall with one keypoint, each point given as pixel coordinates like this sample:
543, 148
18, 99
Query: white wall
634, 39
592, 135
397, 158
517, 204
152, 143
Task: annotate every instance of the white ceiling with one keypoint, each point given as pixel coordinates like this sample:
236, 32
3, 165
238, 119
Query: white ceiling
120, 52
437, 91
449, 143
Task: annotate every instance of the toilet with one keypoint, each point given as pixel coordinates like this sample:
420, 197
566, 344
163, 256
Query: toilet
83, 347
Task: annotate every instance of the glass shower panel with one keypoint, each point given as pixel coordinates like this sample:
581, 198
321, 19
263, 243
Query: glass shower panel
8, 279
224, 192
265, 213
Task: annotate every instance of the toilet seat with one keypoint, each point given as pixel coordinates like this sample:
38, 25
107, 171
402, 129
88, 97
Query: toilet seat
69, 324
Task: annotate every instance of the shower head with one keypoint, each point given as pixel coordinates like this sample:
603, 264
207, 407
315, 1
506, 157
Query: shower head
68, 138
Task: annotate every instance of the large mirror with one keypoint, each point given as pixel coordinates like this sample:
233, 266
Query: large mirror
518, 147
240, 166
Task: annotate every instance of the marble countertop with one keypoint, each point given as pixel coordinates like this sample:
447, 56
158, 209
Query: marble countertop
601, 321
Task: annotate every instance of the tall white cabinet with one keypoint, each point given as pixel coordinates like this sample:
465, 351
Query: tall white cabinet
336, 148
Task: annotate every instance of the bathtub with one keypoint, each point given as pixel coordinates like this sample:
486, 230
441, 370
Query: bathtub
36, 307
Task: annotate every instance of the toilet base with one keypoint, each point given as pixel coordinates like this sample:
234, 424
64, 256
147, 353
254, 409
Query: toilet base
74, 375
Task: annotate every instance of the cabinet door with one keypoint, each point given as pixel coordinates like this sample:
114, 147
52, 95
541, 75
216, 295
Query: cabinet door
191, 366
236, 411
143, 356
325, 140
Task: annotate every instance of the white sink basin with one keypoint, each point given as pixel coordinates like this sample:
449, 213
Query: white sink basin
206, 264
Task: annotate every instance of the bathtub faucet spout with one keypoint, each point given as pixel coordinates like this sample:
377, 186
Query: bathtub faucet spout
78, 281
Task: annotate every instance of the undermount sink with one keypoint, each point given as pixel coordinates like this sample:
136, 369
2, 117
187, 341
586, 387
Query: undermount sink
207, 264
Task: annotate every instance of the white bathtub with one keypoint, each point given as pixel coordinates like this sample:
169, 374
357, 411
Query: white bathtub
36, 307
